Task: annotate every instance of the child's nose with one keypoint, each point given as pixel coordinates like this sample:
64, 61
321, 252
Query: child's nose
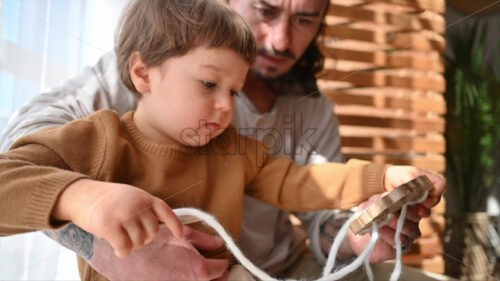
224, 102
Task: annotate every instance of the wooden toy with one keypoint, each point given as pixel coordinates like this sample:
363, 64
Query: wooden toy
381, 210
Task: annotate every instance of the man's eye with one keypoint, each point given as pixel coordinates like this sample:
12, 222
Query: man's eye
303, 21
209, 84
264, 11
234, 93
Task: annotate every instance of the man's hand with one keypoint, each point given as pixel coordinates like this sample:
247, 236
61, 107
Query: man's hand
394, 177
354, 245
166, 258
384, 249
126, 216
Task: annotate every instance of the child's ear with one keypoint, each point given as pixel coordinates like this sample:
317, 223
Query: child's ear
139, 73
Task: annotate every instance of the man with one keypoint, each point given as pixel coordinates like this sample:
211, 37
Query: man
278, 104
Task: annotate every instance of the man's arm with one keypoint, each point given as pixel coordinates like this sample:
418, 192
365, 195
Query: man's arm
75, 239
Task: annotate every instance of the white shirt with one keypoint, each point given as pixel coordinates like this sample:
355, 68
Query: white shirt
303, 129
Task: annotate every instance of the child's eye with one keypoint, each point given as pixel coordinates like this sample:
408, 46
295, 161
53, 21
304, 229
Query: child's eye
208, 84
234, 93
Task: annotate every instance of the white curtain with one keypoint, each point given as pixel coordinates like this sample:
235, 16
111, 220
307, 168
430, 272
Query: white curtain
43, 43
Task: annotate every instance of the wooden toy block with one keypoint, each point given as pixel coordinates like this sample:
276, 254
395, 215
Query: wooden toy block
391, 203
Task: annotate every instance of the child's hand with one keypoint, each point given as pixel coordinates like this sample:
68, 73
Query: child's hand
398, 175
126, 216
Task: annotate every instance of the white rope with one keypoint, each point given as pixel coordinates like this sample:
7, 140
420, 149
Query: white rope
368, 269
330, 263
357, 262
212, 222
363, 258
399, 252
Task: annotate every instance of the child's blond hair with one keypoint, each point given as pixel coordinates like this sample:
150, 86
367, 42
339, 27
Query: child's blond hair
160, 29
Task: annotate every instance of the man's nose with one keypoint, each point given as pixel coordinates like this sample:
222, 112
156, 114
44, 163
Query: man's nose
280, 37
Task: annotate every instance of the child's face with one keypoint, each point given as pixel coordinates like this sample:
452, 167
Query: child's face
191, 97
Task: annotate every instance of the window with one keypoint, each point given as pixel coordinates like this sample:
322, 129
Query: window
43, 43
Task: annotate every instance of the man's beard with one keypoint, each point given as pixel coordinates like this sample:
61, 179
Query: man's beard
290, 82
299, 79
279, 85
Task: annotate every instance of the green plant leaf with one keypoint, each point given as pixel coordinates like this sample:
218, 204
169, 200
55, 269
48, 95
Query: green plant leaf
472, 119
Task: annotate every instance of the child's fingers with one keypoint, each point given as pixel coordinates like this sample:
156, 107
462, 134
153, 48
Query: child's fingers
119, 240
437, 180
150, 224
136, 233
122, 253
167, 216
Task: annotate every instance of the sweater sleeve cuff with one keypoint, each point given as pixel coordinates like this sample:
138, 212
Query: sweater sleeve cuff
44, 197
366, 178
373, 177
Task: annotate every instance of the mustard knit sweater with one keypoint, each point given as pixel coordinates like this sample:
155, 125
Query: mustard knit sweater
214, 177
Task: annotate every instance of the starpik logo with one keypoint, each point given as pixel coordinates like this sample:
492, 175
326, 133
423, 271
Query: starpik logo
286, 136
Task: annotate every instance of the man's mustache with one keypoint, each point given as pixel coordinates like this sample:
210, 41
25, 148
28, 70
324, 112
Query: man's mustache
287, 54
